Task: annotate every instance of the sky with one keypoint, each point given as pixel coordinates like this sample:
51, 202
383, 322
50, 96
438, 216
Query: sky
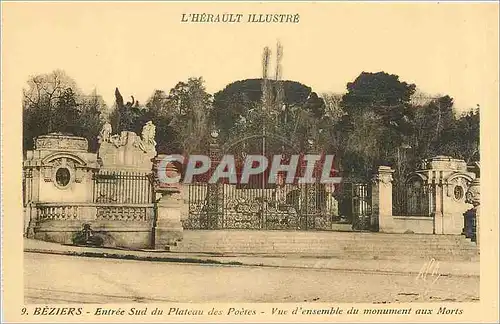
139, 47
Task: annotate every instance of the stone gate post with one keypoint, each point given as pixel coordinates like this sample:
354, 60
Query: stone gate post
168, 227
382, 199
437, 183
473, 197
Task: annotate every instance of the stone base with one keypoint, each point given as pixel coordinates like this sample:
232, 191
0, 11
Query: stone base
407, 224
125, 234
168, 229
129, 240
165, 237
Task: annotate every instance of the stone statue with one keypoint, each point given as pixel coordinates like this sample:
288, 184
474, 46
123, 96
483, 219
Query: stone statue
105, 133
148, 137
149, 133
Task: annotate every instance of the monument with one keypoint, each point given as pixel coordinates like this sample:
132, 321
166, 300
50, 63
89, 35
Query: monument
127, 151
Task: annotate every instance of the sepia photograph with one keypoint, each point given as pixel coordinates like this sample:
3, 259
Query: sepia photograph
321, 155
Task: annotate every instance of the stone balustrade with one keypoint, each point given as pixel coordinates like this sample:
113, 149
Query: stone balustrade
125, 212
93, 211
57, 212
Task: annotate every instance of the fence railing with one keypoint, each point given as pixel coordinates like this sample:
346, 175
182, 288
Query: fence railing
412, 200
120, 187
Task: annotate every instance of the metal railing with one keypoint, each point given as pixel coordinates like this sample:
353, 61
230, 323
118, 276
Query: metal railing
121, 187
412, 200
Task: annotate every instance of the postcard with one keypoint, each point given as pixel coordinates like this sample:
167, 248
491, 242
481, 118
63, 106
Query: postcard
249, 162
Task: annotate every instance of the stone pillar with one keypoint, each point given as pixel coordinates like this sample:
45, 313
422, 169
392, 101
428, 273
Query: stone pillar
32, 211
168, 229
438, 213
473, 197
382, 199
32, 200
168, 226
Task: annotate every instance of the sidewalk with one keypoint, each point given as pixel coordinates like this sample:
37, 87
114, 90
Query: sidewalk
446, 268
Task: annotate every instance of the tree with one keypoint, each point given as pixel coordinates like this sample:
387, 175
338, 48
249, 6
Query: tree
53, 103
40, 99
386, 122
381, 92
377, 121
66, 111
161, 110
237, 98
160, 104
333, 106
238, 110
181, 117
92, 116
429, 123
461, 138
192, 110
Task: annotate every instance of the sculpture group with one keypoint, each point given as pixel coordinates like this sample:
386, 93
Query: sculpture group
145, 142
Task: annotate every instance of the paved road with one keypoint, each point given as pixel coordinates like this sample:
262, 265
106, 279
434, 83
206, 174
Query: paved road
69, 279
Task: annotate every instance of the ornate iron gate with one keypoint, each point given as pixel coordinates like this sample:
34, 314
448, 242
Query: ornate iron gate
356, 205
229, 206
257, 204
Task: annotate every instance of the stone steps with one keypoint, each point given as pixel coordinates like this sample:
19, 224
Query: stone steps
330, 244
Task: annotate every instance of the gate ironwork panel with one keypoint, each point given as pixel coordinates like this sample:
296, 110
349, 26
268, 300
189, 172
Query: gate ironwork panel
123, 187
355, 205
258, 204
297, 207
361, 206
409, 199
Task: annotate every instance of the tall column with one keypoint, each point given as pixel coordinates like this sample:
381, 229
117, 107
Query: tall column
382, 199
168, 226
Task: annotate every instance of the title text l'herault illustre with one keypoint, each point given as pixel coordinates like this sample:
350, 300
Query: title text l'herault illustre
235, 18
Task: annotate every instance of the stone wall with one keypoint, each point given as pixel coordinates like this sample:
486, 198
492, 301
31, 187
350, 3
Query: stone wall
448, 180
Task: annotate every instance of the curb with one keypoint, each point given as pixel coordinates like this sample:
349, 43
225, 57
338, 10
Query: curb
131, 257
208, 261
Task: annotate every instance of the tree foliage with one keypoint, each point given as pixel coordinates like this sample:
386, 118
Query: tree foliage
53, 103
181, 116
296, 115
380, 120
387, 123
193, 106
